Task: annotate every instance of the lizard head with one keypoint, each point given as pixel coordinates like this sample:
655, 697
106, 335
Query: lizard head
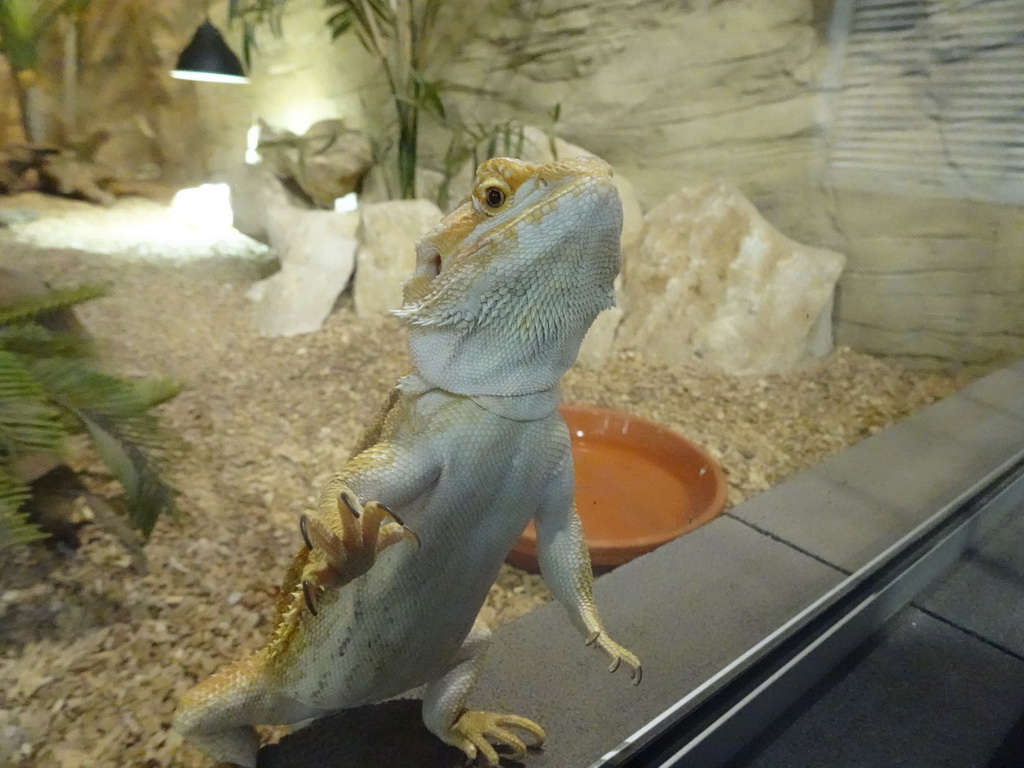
506, 286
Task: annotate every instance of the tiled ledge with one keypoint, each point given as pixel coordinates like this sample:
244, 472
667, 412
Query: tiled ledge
848, 509
695, 606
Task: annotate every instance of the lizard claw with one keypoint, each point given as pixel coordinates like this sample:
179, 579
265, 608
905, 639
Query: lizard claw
391, 513
304, 530
618, 655
308, 592
350, 502
407, 532
410, 534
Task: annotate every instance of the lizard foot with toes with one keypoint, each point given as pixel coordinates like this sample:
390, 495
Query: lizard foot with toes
349, 548
474, 731
617, 654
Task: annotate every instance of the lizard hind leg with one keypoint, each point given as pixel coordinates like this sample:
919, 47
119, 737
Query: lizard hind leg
473, 731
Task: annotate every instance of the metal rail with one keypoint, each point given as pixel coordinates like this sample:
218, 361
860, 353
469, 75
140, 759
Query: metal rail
714, 722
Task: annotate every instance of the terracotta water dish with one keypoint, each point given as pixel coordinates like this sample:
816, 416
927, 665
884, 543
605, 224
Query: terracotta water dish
638, 486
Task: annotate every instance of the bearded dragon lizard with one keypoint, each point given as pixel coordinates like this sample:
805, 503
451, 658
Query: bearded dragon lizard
468, 449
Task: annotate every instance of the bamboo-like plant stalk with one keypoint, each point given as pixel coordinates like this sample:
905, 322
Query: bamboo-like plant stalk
392, 32
407, 108
69, 77
23, 25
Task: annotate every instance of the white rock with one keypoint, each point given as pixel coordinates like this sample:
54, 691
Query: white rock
255, 192
388, 233
317, 251
326, 162
713, 280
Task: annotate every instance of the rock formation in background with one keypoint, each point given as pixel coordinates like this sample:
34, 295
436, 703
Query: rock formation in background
318, 252
713, 281
705, 277
327, 162
257, 197
70, 170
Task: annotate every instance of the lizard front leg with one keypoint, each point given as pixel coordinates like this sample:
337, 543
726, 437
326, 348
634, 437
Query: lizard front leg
348, 541
473, 731
344, 536
565, 565
218, 713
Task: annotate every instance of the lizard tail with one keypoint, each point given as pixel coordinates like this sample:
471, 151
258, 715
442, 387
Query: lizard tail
217, 715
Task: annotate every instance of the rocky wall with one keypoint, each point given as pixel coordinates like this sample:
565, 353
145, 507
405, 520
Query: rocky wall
677, 94
125, 50
932, 281
672, 93
922, 115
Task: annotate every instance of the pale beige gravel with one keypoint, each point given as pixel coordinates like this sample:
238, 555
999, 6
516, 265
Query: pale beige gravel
93, 656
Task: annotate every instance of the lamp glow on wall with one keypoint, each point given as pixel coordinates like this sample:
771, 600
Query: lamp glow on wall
207, 57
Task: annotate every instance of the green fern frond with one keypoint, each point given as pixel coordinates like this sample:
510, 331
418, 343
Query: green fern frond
77, 385
128, 438
15, 528
49, 387
15, 379
13, 492
154, 392
146, 493
32, 339
27, 420
56, 299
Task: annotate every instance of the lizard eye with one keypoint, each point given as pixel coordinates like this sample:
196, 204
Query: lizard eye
491, 195
494, 196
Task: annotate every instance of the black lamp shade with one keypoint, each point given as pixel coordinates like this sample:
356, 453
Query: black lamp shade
207, 57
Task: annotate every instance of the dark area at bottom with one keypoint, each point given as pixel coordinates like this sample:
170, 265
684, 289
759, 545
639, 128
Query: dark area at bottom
377, 736
940, 685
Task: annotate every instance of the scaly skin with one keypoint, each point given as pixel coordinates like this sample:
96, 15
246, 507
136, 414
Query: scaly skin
408, 536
